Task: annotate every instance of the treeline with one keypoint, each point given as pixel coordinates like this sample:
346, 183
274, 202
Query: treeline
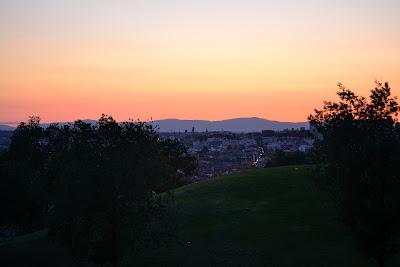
359, 152
282, 158
299, 133
95, 187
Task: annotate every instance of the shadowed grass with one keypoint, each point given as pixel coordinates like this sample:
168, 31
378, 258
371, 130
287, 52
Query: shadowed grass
270, 217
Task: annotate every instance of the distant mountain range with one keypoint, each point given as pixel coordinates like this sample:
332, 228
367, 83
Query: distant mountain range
231, 125
6, 128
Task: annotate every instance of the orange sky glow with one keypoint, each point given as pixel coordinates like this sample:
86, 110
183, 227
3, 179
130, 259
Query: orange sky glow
64, 60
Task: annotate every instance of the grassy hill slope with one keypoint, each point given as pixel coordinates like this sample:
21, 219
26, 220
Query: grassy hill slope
270, 217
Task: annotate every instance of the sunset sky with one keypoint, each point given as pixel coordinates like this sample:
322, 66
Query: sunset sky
204, 59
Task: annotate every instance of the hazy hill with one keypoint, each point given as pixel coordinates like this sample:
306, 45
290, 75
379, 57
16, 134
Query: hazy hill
6, 128
232, 125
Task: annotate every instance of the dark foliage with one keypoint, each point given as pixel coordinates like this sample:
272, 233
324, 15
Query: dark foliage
95, 186
302, 133
23, 183
281, 158
360, 149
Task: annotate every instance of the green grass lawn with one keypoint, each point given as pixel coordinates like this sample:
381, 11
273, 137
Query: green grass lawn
268, 217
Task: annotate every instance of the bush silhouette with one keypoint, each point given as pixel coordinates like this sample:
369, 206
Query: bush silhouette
360, 149
94, 186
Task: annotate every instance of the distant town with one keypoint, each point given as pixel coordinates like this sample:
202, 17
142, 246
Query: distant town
223, 152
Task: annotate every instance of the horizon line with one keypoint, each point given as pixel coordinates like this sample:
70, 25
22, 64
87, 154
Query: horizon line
16, 123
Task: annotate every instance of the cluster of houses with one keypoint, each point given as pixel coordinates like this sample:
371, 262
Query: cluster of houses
221, 153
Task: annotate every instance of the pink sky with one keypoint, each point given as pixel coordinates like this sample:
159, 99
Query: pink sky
64, 60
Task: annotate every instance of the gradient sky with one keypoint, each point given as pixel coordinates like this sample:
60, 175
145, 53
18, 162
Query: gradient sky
204, 59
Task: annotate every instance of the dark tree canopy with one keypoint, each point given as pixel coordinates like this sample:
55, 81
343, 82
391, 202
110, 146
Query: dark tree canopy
23, 183
94, 186
360, 150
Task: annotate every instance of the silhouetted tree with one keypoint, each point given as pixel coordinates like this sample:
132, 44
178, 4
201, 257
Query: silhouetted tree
281, 158
360, 149
23, 183
94, 186
181, 161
